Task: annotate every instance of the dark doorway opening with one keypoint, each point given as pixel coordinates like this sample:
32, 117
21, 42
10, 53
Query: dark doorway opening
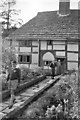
63, 64
62, 60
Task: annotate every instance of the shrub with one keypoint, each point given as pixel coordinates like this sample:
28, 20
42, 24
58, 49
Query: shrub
24, 73
32, 113
3, 81
27, 73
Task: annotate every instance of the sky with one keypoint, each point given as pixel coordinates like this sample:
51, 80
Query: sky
30, 8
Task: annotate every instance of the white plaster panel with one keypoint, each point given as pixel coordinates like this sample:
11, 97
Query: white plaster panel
25, 49
34, 43
60, 53
34, 58
72, 65
43, 45
58, 42
49, 47
72, 47
46, 67
72, 56
35, 49
23, 65
58, 47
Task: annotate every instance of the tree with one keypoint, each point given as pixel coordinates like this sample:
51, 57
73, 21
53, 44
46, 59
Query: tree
8, 13
8, 55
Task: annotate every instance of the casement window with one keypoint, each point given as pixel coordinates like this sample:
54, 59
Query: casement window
24, 43
24, 58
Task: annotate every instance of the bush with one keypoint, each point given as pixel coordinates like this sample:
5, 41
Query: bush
27, 73
32, 113
24, 72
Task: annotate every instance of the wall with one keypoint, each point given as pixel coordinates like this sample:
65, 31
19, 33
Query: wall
72, 55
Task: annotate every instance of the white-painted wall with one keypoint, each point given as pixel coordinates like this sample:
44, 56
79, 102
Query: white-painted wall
34, 49
34, 43
72, 56
25, 49
72, 65
34, 58
49, 47
72, 47
58, 47
43, 45
58, 42
60, 53
23, 65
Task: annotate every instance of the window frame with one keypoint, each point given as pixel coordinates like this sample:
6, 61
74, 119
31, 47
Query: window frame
25, 43
24, 59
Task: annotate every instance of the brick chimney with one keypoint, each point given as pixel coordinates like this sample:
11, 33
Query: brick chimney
64, 7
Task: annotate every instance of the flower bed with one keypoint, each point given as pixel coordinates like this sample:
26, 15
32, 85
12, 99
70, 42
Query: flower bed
63, 93
27, 75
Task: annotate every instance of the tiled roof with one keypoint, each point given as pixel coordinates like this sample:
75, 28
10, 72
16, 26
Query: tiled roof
49, 26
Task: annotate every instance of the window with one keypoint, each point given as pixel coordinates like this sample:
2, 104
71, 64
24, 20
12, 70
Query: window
27, 43
24, 58
24, 43
49, 42
47, 62
28, 58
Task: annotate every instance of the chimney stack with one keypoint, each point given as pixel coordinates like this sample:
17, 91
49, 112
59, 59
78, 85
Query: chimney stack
64, 7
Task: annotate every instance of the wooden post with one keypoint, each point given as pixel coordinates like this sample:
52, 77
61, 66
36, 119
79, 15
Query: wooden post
38, 52
0, 61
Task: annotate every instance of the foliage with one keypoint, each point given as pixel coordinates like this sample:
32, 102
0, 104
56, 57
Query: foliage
24, 72
3, 81
8, 14
6, 32
8, 56
27, 73
65, 89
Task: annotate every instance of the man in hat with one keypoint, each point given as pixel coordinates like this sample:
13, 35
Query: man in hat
14, 80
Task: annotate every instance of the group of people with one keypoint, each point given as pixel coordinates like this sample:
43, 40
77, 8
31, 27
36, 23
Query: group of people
56, 68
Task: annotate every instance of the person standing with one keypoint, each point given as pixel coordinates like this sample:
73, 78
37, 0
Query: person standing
13, 79
52, 65
59, 67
